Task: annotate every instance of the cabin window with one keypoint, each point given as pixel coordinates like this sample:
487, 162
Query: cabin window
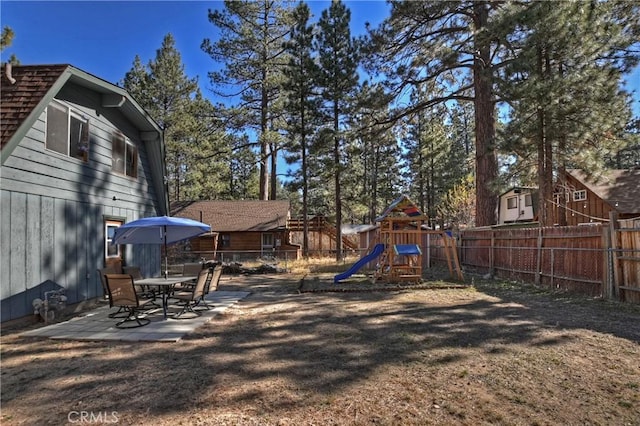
512, 202
124, 156
528, 201
67, 132
225, 240
580, 195
267, 241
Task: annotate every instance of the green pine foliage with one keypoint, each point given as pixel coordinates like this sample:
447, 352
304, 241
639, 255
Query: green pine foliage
6, 37
338, 79
301, 106
452, 88
566, 105
187, 119
249, 45
443, 48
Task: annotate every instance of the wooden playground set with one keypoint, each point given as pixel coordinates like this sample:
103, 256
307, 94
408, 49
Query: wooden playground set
397, 247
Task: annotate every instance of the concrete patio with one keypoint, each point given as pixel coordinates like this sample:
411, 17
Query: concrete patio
96, 324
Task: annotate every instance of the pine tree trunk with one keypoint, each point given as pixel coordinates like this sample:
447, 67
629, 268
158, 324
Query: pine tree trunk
542, 183
305, 182
486, 162
336, 159
273, 155
264, 171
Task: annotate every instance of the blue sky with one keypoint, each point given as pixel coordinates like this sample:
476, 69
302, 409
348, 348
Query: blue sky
103, 37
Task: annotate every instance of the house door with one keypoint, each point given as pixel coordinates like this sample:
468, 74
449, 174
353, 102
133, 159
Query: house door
267, 243
112, 253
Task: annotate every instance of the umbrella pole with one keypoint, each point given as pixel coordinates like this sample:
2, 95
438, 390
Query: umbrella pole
166, 257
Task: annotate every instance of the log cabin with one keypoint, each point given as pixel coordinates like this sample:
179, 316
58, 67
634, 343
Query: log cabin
241, 229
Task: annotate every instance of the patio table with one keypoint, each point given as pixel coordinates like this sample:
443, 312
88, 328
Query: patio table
165, 285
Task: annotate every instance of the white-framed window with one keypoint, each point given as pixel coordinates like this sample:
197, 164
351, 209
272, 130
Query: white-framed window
580, 195
512, 202
111, 250
124, 156
225, 240
67, 131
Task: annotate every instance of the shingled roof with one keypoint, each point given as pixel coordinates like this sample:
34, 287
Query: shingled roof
619, 188
20, 98
26, 90
236, 215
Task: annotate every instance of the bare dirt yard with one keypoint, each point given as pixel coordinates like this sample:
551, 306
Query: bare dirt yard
485, 354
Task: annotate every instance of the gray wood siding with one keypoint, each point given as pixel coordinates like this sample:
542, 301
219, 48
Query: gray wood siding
52, 210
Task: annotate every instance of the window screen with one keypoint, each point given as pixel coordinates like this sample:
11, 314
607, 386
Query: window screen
132, 160
57, 128
118, 153
78, 138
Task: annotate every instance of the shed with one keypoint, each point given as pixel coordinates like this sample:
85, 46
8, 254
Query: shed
517, 204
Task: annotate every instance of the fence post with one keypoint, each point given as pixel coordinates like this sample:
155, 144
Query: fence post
607, 263
492, 252
613, 226
539, 260
552, 260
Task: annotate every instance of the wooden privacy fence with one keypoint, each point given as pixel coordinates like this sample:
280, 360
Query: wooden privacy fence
625, 259
596, 260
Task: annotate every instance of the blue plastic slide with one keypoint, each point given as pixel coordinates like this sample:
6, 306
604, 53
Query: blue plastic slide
377, 251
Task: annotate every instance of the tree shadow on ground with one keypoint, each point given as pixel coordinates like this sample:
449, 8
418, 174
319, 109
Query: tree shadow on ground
310, 344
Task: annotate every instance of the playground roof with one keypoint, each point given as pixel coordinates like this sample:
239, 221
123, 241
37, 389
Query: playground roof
401, 206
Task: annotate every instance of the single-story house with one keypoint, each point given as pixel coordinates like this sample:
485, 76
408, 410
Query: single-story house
240, 228
517, 204
590, 199
80, 157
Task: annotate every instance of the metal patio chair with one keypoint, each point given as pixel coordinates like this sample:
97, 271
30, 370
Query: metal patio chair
191, 297
122, 294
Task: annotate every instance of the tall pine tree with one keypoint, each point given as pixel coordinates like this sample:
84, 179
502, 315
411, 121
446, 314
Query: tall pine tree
250, 45
446, 46
302, 104
564, 85
338, 59
175, 103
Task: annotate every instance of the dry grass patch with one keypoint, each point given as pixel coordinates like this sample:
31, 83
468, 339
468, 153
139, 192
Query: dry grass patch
489, 354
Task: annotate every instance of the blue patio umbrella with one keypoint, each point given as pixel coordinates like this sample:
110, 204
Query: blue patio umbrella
159, 230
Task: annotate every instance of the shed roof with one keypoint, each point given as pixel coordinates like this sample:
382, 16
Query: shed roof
520, 189
619, 188
236, 215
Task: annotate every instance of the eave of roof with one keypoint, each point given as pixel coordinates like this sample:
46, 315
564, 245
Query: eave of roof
35, 86
620, 188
